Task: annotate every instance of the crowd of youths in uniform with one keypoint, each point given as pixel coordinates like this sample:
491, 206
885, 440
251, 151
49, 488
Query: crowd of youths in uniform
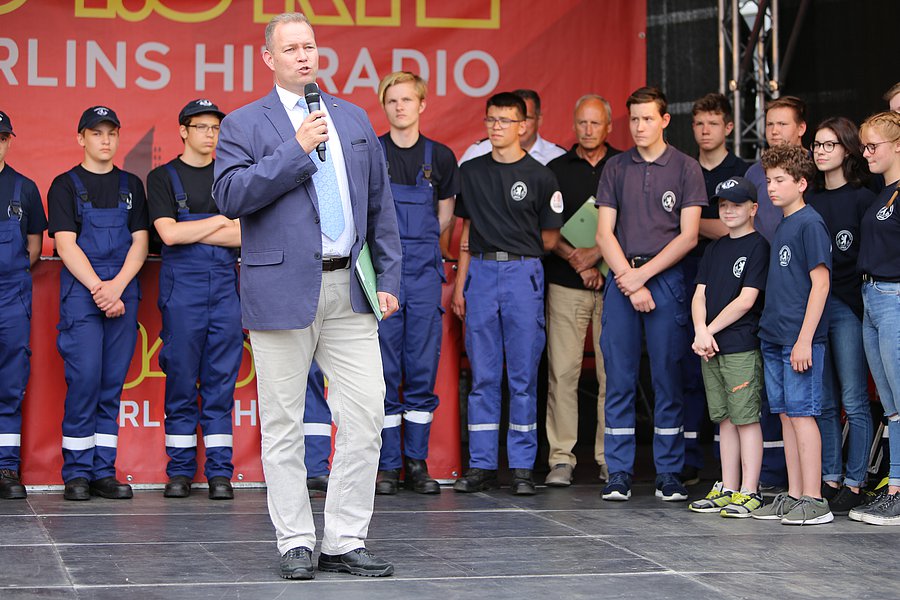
764, 295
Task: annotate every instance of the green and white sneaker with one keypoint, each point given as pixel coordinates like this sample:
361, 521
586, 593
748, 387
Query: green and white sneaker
741, 505
809, 511
780, 506
717, 499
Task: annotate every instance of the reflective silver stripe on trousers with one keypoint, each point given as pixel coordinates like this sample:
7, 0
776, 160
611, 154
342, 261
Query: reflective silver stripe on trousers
181, 441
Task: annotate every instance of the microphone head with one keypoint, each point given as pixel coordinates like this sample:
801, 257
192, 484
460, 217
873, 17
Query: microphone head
311, 91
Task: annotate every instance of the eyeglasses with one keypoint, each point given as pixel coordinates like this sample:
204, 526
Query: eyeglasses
502, 121
826, 146
872, 147
204, 128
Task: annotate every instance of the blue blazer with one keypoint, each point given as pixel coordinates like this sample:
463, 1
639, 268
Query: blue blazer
264, 177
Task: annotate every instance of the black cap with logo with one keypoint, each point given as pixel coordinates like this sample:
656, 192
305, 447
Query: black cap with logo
96, 115
200, 106
5, 124
736, 189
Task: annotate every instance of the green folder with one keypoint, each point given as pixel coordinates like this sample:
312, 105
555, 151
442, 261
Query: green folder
581, 229
365, 272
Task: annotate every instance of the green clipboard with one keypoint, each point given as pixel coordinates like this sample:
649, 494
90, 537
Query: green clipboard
365, 272
581, 229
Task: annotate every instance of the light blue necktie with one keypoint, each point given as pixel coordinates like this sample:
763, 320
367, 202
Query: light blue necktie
331, 212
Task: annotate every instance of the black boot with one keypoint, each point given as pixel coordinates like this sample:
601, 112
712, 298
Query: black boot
418, 479
476, 480
387, 482
11, 487
522, 483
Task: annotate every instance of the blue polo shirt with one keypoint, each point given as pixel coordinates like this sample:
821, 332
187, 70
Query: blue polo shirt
649, 197
801, 243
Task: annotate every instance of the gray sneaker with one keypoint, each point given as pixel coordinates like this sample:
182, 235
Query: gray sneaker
808, 511
886, 513
560, 475
856, 514
780, 506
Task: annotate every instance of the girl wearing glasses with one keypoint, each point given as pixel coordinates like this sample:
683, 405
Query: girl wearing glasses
841, 198
879, 262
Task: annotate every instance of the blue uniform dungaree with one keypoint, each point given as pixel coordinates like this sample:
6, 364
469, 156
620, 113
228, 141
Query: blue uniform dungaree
411, 339
15, 327
96, 350
202, 340
316, 424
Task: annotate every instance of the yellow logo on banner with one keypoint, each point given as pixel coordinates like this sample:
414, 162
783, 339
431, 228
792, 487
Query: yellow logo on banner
147, 351
423, 20
8, 7
116, 8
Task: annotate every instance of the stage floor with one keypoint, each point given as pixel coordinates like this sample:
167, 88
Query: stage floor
561, 543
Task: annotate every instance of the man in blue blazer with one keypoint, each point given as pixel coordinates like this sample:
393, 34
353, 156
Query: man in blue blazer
304, 219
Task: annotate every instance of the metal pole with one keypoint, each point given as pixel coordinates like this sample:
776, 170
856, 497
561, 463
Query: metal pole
775, 84
721, 46
760, 94
735, 74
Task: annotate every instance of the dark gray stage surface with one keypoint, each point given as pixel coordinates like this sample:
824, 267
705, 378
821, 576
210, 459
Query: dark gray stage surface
560, 544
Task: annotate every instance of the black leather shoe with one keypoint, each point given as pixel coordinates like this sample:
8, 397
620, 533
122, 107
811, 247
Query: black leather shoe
297, 564
77, 489
220, 489
111, 488
356, 562
418, 479
476, 480
179, 486
11, 487
317, 486
522, 483
387, 482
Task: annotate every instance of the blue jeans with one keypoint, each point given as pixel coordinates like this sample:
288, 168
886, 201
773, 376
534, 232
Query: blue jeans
845, 382
791, 393
881, 339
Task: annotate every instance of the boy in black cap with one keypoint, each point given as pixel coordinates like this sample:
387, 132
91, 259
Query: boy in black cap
201, 311
22, 223
726, 308
98, 217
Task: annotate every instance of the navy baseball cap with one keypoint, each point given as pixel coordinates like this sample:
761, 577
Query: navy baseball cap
200, 106
96, 115
736, 189
5, 124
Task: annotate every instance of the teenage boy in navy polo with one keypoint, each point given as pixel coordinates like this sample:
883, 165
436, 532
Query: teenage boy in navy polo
98, 217
22, 224
793, 330
725, 310
512, 208
201, 310
650, 200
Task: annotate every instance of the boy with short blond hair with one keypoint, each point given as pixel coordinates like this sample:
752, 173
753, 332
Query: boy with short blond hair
793, 333
726, 310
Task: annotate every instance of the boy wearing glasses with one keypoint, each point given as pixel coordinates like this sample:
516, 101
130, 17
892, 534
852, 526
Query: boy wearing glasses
201, 312
512, 211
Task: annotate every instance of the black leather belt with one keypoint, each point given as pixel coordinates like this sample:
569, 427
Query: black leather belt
639, 261
502, 256
333, 264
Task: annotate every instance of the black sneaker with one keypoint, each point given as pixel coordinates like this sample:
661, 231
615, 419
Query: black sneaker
11, 487
669, 488
522, 483
767, 490
873, 500
387, 482
830, 493
476, 480
689, 475
845, 500
418, 479
356, 562
885, 513
296, 563
619, 487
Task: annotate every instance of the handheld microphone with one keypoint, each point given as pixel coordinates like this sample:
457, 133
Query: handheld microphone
311, 93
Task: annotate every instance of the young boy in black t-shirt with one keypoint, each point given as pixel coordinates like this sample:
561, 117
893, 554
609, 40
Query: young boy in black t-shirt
726, 309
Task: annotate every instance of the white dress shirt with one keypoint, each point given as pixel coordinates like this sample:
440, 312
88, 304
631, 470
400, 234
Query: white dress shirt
542, 151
